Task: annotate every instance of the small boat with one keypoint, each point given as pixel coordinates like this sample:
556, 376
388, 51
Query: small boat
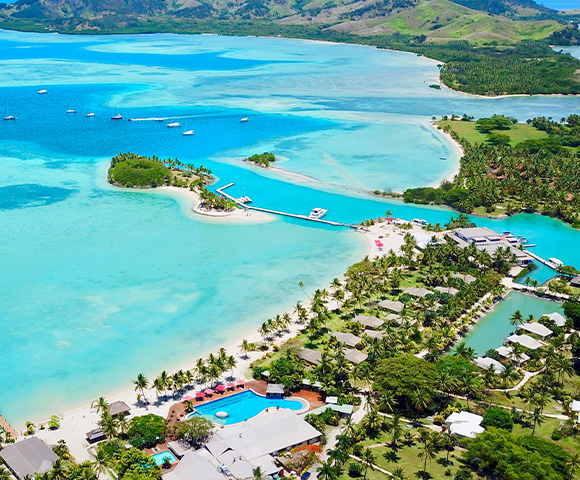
244, 120
188, 132
244, 199
174, 124
71, 110
90, 114
43, 91
159, 119
556, 261
317, 213
9, 117
117, 117
443, 158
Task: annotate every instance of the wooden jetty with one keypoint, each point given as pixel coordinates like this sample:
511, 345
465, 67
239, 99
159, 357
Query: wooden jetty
10, 432
220, 191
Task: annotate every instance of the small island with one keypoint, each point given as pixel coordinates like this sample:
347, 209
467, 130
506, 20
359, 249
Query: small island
261, 160
129, 170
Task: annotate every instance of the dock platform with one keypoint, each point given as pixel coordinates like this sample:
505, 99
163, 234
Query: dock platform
220, 191
7, 428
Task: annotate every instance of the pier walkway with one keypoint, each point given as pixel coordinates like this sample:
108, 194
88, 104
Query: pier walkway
220, 191
10, 432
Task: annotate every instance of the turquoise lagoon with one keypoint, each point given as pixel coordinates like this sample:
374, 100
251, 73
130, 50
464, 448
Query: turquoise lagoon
99, 284
494, 327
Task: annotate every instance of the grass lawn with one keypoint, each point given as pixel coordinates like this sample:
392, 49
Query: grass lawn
518, 132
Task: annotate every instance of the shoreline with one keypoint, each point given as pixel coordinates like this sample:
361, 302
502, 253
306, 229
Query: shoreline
80, 419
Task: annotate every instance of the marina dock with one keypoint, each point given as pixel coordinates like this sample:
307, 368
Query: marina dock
220, 191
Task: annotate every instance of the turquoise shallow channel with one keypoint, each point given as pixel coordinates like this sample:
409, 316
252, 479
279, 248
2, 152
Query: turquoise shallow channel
242, 406
493, 328
99, 284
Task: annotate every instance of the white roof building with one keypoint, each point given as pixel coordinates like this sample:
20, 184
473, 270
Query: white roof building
267, 434
525, 341
507, 352
558, 319
464, 424
487, 363
196, 464
536, 328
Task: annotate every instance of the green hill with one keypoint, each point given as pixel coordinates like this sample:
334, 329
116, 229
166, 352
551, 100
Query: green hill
478, 21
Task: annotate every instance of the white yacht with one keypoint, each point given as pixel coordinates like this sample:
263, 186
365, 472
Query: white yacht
9, 117
71, 110
188, 133
174, 124
41, 92
90, 114
317, 213
244, 120
117, 116
556, 261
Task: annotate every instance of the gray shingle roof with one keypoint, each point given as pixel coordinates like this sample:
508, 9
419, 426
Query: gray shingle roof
28, 457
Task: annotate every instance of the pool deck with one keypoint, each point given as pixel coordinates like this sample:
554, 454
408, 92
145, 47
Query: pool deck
177, 411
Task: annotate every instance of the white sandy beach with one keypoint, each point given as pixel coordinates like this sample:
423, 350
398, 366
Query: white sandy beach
77, 422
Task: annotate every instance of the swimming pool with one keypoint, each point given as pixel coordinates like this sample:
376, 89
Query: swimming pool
242, 406
161, 456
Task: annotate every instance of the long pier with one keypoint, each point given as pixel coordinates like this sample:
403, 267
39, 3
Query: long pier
540, 259
220, 191
10, 432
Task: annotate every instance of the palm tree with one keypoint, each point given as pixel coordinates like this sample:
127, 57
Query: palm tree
573, 463
398, 474
101, 462
538, 418
4, 473
109, 426
326, 471
245, 348
517, 318
141, 384
301, 285
257, 473
100, 405
59, 470
368, 458
231, 363
427, 449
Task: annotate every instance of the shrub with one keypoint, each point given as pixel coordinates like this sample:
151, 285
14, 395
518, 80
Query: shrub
147, 431
354, 469
499, 418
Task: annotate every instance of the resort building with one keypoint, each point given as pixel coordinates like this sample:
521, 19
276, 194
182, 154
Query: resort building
373, 334
418, 292
392, 305
536, 328
575, 407
487, 363
275, 390
464, 424
448, 290
28, 457
311, 356
236, 450
119, 408
558, 319
525, 341
508, 354
355, 356
486, 239
464, 276
369, 321
348, 339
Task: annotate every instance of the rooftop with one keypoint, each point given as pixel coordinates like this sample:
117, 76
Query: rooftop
116, 408
466, 277
417, 291
536, 328
368, 321
558, 319
507, 352
525, 341
347, 338
448, 290
275, 388
28, 457
311, 356
355, 356
486, 363
373, 334
392, 305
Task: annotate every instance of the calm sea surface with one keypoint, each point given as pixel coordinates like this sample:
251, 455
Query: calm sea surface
98, 285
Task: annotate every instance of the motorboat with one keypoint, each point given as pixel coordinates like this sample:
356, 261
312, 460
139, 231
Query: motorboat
317, 213
556, 261
189, 132
443, 158
71, 110
9, 117
43, 91
118, 116
90, 114
174, 124
244, 120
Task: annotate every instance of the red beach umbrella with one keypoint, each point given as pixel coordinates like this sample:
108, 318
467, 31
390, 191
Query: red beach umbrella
231, 385
199, 395
209, 392
220, 388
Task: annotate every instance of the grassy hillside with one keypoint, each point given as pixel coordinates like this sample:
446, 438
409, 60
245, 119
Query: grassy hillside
517, 133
